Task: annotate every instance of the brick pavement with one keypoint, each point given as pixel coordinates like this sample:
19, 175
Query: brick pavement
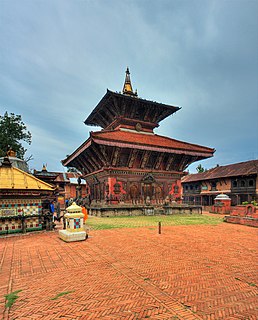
187, 272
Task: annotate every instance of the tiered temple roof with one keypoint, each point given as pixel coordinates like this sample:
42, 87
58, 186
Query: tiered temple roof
127, 138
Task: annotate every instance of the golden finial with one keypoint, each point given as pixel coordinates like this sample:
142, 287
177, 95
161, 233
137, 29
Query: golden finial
11, 153
44, 168
128, 89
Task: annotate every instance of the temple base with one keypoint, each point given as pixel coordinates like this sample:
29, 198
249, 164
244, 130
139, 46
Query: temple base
72, 236
138, 210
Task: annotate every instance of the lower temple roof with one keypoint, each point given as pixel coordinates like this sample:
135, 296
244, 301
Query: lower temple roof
149, 140
141, 140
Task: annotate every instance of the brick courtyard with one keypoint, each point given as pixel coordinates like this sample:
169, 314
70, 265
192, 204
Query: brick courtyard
187, 272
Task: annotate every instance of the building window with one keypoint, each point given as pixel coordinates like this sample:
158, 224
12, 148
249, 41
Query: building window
213, 186
117, 188
191, 187
186, 188
242, 183
251, 183
234, 184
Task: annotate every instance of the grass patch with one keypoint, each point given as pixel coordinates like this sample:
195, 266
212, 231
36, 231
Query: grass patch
252, 284
11, 298
61, 294
101, 223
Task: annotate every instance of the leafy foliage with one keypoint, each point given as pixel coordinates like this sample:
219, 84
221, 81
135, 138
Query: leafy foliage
200, 169
12, 132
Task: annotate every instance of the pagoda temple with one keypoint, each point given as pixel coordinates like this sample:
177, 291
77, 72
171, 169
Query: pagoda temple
126, 162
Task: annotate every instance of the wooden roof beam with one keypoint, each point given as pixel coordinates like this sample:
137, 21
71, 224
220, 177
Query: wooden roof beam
115, 105
169, 162
97, 152
94, 158
159, 160
83, 164
94, 167
103, 119
145, 157
132, 157
183, 163
115, 156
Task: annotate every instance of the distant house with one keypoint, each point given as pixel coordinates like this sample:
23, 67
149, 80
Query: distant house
70, 187
239, 181
67, 184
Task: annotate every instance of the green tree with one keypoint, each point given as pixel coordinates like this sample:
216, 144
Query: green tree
13, 131
200, 169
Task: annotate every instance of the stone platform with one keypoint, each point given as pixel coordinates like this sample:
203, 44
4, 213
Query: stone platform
139, 210
243, 214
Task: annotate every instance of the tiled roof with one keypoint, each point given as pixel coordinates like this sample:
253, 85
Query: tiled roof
152, 140
231, 170
66, 176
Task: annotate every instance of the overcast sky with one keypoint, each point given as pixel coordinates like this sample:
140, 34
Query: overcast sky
57, 58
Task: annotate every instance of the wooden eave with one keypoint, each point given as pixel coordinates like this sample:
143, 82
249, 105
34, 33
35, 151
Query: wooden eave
143, 141
96, 118
151, 148
77, 152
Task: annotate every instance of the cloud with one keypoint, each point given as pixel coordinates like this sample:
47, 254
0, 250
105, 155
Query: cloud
58, 58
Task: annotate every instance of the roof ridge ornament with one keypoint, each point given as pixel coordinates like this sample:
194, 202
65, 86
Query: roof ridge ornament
128, 89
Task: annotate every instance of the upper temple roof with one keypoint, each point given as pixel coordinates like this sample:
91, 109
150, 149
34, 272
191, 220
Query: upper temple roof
114, 105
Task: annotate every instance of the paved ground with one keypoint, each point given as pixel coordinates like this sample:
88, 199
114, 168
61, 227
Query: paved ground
187, 272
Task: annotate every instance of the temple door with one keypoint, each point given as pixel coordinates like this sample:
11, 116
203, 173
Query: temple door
134, 193
148, 190
158, 193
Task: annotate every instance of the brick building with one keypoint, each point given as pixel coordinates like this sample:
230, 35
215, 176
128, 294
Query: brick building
239, 181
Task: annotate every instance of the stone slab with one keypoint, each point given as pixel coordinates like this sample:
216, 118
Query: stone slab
72, 236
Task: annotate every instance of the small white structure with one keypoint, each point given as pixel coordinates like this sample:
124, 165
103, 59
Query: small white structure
74, 224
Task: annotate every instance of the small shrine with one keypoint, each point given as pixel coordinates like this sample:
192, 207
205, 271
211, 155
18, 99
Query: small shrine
126, 163
22, 199
74, 224
222, 204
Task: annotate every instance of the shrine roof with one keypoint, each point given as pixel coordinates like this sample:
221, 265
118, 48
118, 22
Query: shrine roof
143, 141
16, 179
67, 176
231, 170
